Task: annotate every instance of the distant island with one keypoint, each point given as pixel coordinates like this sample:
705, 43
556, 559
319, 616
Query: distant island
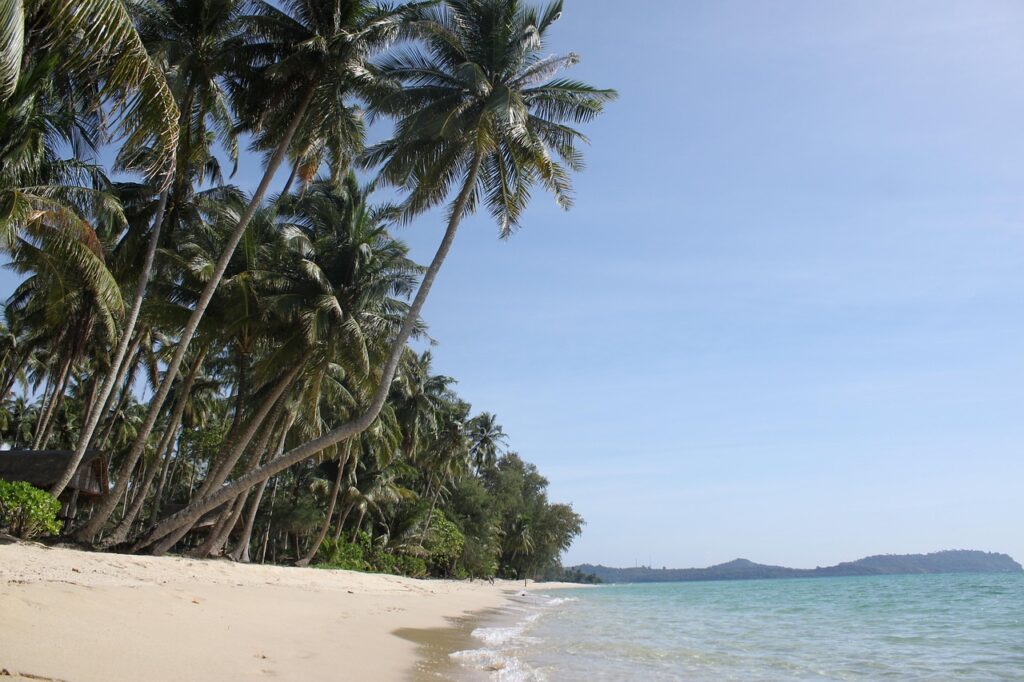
949, 561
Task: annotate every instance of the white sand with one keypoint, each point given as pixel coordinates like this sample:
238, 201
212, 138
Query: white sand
81, 616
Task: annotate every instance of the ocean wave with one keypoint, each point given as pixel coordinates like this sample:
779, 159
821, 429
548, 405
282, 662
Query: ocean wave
496, 636
501, 642
501, 666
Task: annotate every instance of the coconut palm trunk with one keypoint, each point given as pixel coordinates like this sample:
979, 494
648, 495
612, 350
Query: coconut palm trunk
102, 514
430, 515
164, 449
120, 531
291, 178
241, 551
359, 523
241, 394
44, 408
165, 480
15, 373
49, 417
238, 449
270, 517
188, 516
341, 523
222, 531
115, 373
118, 398
229, 519
326, 525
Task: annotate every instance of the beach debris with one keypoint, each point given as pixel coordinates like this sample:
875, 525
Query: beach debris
4, 672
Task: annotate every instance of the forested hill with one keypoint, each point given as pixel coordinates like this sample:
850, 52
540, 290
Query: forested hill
950, 561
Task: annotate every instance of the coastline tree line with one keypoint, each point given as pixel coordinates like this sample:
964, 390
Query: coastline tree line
286, 417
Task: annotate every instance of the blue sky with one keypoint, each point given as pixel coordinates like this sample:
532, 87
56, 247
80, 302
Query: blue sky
784, 320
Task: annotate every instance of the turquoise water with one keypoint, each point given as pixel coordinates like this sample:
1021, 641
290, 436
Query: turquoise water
914, 627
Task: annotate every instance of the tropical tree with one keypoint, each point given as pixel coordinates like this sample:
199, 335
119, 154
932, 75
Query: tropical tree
308, 57
487, 440
193, 41
477, 109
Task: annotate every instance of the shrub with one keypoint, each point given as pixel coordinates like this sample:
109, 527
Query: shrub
341, 554
412, 566
366, 555
444, 543
28, 512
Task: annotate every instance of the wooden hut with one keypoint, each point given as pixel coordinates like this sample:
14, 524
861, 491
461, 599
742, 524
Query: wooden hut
42, 468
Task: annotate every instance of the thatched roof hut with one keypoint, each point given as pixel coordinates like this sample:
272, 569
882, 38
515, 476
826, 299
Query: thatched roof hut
42, 468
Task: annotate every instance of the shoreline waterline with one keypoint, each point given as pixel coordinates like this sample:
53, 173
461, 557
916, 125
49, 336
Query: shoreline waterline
485, 644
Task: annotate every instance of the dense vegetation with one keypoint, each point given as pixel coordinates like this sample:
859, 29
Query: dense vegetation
949, 561
27, 512
286, 417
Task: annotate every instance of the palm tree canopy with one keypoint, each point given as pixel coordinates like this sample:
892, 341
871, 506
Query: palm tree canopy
96, 41
478, 84
296, 45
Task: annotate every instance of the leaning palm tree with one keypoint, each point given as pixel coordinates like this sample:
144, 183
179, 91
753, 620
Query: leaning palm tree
477, 110
93, 49
302, 62
194, 41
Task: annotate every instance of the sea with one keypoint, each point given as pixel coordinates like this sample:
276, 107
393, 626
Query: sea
961, 627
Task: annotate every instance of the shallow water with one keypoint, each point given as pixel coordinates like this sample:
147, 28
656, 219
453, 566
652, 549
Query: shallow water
914, 627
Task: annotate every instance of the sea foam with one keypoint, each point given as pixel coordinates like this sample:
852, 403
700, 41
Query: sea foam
502, 642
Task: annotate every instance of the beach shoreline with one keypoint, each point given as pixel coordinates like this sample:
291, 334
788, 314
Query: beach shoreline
79, 616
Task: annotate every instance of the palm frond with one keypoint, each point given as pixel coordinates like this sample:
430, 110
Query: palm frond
12, 43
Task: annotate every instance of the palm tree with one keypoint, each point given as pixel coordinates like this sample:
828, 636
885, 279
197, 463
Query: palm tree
302, 61
195, 41
518, 539
68, 294
418, 396
487, 440
20, 419
476, 109
445, 456
341, 285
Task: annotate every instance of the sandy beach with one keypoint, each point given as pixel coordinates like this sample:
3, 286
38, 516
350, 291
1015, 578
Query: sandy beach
82, 616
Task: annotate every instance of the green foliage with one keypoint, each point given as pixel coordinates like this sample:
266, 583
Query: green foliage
444, 544
399, 564
534, 532
568, 575
28, 512
472, 508
344, 555
366, 555
412, 566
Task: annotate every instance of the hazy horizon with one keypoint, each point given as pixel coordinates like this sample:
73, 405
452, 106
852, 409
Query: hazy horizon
743, 558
